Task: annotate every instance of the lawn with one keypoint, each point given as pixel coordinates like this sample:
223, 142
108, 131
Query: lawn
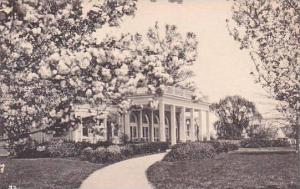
234, 171
45, 173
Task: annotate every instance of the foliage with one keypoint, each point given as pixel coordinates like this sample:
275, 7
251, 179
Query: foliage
51, 62
30, 149
191, 151
61, 148
114, 153
222, 146
261, 143
269, 30
87, 154
262, 131
99, 155
234, 116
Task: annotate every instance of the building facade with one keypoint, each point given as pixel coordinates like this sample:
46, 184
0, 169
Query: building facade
171, 117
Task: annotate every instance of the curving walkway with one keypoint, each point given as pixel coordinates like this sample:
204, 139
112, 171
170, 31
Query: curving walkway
128, 174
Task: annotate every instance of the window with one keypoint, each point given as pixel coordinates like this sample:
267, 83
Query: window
167, 133
132, 118
133, 132
85, 131
156, 128
156, 120
133, 126
145, 132
188, 127
145, 119
156, 133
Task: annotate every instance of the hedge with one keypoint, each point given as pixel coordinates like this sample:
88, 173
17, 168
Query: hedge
224, 146
116, 153
262, 143
191, 151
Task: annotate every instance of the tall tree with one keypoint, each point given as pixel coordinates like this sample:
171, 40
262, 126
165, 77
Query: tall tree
234, 115
168, 57
270, 30
49, 62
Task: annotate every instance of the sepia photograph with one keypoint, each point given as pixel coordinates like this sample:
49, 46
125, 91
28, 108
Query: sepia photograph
149, 94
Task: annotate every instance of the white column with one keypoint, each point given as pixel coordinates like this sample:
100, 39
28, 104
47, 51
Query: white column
140, 130
192, 128
182, 127
173, 125
162, 129
200, 125
152, 127
127, 124
207, 126
80, 130
105, 130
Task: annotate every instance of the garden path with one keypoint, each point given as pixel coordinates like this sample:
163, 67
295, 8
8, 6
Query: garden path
128, 174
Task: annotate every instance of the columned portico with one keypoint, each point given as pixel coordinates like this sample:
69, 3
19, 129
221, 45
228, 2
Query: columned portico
175, 118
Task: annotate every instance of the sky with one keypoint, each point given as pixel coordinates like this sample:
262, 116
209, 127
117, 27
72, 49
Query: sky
221, 69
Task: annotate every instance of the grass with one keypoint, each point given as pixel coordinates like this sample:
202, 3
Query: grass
45, 173
234, 171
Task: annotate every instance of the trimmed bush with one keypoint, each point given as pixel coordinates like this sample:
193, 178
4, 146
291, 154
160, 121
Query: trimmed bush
145, 148
191, 151
127, 150
114, 154
61, 148
262, 143
86, 154
99, 155
224, 146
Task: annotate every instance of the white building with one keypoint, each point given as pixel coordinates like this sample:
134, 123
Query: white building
172, 116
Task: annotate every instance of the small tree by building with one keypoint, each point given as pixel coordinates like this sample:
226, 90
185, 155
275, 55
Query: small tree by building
234, 115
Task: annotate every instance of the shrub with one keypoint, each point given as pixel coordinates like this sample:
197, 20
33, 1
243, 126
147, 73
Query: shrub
84, 144
99, 155
86, 154
30, 149
191, 151
262, 143
127, 150
224, 146
114, 154
145, 148
61, 148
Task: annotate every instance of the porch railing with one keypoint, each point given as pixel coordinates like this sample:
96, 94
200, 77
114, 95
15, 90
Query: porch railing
169, 90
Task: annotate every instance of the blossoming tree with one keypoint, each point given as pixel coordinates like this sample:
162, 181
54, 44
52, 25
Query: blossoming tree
270, 30
49, 61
